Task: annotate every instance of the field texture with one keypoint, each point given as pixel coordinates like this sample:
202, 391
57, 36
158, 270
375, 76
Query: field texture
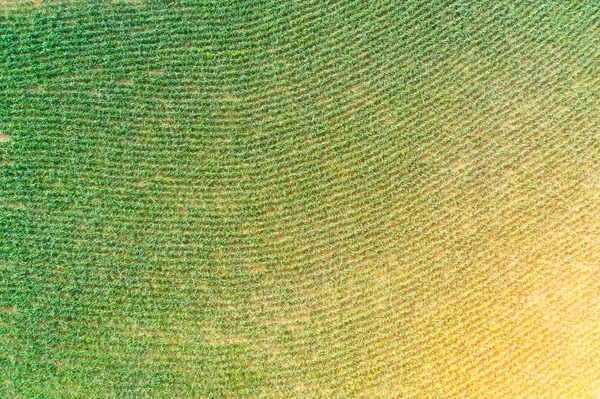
300, 199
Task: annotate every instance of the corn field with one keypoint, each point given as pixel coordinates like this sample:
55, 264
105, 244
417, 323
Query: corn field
299, 199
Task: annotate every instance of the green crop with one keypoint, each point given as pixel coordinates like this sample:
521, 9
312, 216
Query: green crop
299, 199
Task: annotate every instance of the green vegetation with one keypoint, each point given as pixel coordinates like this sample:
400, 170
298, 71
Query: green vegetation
299, 199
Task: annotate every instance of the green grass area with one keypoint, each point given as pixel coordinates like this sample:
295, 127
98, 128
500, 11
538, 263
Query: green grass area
301, 199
